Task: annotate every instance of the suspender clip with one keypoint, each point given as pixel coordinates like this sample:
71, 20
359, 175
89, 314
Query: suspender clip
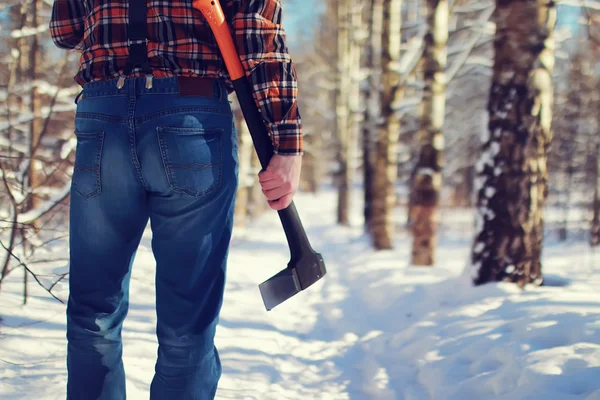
137, 41
149, 81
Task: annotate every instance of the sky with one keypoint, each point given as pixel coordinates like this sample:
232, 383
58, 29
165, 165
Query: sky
299, 16
568, 15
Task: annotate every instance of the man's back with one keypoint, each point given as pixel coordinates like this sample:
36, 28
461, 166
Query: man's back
180, 43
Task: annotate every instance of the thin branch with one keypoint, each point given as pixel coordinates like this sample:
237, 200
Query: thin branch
63, 276
13, 232
22, 264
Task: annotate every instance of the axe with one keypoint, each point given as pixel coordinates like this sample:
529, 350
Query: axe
306, 266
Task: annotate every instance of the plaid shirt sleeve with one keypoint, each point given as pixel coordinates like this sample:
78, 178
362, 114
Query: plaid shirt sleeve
67, 23
260, 39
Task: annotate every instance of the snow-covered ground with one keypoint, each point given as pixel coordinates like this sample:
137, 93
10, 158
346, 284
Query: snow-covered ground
375, 328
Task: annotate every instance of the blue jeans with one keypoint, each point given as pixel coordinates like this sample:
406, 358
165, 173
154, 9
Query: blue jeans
149, 154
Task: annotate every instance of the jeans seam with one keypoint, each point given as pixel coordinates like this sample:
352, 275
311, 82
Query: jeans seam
100, 117
132, 138
177, 110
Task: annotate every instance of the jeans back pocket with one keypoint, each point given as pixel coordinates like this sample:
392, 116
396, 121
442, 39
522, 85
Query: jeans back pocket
86, 178
192, 158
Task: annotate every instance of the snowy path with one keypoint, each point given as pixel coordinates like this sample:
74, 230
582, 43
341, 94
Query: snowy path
375, 328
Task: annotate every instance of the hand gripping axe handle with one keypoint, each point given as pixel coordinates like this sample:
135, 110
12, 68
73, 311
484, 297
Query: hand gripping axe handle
306, 266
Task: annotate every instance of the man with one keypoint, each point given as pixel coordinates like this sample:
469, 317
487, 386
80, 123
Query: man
156, 141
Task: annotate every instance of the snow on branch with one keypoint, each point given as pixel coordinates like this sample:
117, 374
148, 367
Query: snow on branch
412, 54
46, 206
27, 31
464, 56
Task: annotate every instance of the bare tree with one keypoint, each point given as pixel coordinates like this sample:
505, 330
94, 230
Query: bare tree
36, 147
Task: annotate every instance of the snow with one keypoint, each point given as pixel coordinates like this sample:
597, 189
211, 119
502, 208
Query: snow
490, 192
424, 171
479, 247
374, 328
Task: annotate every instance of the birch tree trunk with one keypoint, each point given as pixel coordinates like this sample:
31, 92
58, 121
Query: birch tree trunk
388, 132
342, 110
372, 109
354, 104
427, 180
21, 48
512, 181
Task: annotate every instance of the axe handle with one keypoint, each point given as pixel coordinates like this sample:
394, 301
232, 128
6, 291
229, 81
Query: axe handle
212, 11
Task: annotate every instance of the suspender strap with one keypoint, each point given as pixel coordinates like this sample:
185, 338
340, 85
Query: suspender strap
137, 41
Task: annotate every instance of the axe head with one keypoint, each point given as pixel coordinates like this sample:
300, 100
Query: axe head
299, 275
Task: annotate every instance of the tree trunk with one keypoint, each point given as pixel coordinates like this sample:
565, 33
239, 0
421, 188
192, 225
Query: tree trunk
257, 202
342, 111
512, 181
563, 231
309, 180
245, 149
388, 132
574, 110
354, 104
23, 53
595, 228
427, 181
372, 109
33, 173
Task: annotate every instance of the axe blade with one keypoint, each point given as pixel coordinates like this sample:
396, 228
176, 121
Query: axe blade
279, 288
295, 278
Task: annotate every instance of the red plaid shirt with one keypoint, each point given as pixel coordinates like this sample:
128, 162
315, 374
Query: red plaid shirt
180, 42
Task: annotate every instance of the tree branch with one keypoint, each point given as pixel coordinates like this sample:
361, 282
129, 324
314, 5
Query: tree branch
22, 264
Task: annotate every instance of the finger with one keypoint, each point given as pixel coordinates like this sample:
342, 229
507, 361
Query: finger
278, 190
269, 185
281, 203
276, 193
265, 176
